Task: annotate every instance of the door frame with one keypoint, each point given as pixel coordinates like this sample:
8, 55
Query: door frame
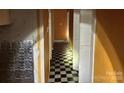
68, 20
76, 43
93, 43
90, 69
50, 35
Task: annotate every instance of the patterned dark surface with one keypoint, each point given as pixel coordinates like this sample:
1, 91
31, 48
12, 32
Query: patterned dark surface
16, 62
61, 70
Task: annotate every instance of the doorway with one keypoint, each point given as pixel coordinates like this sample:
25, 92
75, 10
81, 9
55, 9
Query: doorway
61, 64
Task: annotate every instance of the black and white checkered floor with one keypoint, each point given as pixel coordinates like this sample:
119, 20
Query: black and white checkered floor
61, 70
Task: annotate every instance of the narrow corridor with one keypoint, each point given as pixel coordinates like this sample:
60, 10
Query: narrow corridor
61, 67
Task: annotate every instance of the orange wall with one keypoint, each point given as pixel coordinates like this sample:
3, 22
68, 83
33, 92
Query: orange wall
46, 44
109, 46
71, 26
60, 24
4, 17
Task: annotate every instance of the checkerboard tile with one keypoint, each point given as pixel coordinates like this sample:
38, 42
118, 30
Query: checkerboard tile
61, 70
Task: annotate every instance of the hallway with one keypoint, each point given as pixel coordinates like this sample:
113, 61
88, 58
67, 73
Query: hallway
43, 60
61, 67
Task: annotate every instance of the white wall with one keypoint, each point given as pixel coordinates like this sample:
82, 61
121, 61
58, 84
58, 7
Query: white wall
50, 35
76, 29
86, 46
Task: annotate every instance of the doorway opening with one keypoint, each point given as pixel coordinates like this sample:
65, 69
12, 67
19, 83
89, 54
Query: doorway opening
61, 47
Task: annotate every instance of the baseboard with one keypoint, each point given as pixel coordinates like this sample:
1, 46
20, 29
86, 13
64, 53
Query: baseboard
58, 41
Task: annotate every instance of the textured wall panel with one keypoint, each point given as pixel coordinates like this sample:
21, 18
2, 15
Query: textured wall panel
16, 61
